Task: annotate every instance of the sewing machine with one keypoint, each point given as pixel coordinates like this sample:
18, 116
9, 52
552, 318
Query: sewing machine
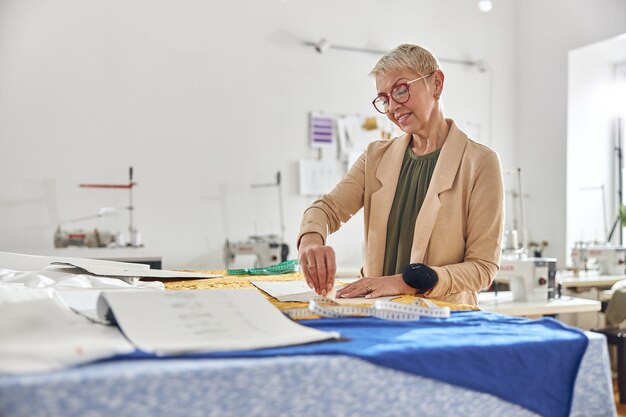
268, 249
101, 238
83, 238
606, 259
530, 279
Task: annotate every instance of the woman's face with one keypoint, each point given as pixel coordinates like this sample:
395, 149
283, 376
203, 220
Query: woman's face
413, 115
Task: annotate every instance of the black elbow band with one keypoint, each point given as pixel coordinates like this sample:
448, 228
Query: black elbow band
420, 276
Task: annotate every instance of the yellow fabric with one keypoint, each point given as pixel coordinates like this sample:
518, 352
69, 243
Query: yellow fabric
243, 281
459, 228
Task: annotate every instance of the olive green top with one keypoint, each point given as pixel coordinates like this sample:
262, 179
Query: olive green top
413, 183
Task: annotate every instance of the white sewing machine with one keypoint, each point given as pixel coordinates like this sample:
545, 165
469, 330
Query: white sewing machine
268, 249
606, 259
88, 238
530, 279
96, 238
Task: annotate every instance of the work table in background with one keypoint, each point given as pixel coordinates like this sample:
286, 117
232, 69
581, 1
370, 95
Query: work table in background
502, 302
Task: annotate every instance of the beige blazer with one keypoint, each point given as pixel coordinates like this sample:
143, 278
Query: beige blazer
459, 228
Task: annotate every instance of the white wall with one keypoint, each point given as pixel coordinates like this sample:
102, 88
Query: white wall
206, 98
203, 98
591, 140
546, 32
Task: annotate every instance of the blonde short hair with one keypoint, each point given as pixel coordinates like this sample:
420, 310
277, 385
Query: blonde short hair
414, 57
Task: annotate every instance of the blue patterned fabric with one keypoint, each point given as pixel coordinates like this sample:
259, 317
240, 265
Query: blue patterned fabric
532, 363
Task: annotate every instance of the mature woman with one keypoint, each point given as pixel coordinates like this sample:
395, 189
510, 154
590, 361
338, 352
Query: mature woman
433, 198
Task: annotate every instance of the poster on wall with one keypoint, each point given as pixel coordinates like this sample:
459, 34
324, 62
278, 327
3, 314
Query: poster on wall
318, 177
342, 138
356, 131
321, 130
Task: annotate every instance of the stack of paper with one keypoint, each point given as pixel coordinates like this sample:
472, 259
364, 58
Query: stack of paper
98, 267
43, 334
299, 291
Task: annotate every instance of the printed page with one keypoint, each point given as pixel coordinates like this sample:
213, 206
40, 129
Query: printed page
204, 321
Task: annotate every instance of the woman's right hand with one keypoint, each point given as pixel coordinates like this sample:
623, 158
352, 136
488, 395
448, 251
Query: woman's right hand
317, 262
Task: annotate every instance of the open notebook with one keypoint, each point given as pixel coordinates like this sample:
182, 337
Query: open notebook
175, 322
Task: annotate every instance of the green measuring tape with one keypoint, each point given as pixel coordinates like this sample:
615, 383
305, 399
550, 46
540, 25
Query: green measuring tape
281, 268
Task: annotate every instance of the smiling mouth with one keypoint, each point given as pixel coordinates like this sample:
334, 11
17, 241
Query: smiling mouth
402, 118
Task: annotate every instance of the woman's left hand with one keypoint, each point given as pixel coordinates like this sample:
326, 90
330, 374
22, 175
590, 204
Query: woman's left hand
376, 287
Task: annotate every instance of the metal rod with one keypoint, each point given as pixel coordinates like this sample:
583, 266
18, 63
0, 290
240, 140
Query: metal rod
130, 185
604, 210
277, 184
618, 153
618, 149
321, 47
618, 217
280, 208
615, 223
521, 208
130, 204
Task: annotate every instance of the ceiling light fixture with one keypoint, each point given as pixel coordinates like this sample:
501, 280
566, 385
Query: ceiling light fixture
485, 6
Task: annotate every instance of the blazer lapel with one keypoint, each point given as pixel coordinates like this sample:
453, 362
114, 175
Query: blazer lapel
442, 180
381, 200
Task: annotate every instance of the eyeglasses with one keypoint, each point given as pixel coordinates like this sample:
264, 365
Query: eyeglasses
400, 94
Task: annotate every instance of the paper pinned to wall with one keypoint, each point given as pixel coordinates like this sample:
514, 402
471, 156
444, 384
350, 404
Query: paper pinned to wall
357, 131
319, 177
321, 130
471, 128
